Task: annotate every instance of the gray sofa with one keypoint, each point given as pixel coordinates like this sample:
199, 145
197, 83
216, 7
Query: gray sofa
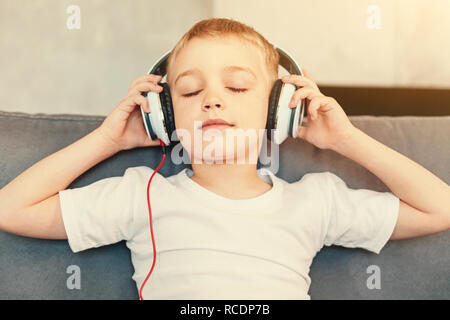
416, 268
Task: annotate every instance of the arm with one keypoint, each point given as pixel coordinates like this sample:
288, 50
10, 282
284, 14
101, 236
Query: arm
425, 199
29, 204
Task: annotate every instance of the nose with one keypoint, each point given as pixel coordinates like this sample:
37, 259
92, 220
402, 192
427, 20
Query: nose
209, 104
212, 101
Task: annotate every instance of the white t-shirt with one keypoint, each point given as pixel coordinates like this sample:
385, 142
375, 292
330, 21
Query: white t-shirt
212, 247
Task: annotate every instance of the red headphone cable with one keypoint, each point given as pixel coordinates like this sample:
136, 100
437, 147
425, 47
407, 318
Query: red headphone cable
150, 217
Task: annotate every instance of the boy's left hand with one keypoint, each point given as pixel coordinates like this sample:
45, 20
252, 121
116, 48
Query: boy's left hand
327, 122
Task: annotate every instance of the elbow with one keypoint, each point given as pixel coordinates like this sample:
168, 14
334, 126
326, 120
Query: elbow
6, 211
443, 221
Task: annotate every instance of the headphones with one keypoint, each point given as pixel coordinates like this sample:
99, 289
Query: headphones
160, 122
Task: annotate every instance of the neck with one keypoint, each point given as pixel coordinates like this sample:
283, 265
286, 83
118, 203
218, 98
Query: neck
234, 181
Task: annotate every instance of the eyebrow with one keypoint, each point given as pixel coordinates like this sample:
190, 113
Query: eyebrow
226, 69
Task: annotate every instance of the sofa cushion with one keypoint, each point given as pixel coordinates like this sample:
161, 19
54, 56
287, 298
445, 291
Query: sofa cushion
409, 269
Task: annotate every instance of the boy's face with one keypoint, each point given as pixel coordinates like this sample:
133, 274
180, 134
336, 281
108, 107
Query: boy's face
212, 85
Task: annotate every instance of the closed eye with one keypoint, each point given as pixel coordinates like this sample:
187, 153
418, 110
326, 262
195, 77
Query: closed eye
191, 94
237, 89
232, 89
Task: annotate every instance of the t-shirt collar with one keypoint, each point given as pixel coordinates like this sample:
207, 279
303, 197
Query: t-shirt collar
270, 200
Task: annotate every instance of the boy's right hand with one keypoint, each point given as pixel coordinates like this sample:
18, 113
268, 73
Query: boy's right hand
124, 127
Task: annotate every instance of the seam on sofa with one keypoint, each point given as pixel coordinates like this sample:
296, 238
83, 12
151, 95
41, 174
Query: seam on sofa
74, 117
43, 116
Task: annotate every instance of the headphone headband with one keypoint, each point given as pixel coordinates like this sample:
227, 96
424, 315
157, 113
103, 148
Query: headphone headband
160, 67
286, 61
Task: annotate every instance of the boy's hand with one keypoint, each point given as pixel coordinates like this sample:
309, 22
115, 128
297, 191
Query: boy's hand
124, 127
327, 122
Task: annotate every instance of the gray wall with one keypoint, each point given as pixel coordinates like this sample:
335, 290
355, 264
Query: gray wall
48, 68
403, 43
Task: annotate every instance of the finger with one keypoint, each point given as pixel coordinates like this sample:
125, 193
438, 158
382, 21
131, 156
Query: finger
317, 103
146, 77
130, 103
307, 74
298, 80
313, 106
150, 79
144, 87
302, 93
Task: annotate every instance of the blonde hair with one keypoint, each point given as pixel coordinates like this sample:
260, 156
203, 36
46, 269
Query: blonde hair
222, 27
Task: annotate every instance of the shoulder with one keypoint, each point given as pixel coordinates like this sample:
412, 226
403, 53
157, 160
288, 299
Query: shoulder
312, 185
141, 174
318, 185
315, 178
325, 180
138, 178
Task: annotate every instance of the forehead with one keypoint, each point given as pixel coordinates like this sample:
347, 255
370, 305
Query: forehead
215, 53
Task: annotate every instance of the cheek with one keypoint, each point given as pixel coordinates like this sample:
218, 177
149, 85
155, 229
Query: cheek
184, 114
263, 111
255, 115
183, 123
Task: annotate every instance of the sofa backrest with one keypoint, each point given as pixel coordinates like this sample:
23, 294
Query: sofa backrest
410, 269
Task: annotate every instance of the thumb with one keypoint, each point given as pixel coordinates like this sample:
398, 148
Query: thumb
301, 133
147, 141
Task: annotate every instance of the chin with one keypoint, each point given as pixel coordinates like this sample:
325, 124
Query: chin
217, 152
224, 146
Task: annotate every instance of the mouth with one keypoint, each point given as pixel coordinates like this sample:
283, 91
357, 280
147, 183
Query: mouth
216, 126
215, 123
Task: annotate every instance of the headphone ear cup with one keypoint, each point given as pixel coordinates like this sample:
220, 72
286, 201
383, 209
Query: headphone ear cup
273, 105
167, 109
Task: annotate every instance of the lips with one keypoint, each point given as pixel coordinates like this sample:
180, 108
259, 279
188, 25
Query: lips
215, 122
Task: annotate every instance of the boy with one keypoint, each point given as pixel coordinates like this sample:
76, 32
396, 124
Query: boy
224, 231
